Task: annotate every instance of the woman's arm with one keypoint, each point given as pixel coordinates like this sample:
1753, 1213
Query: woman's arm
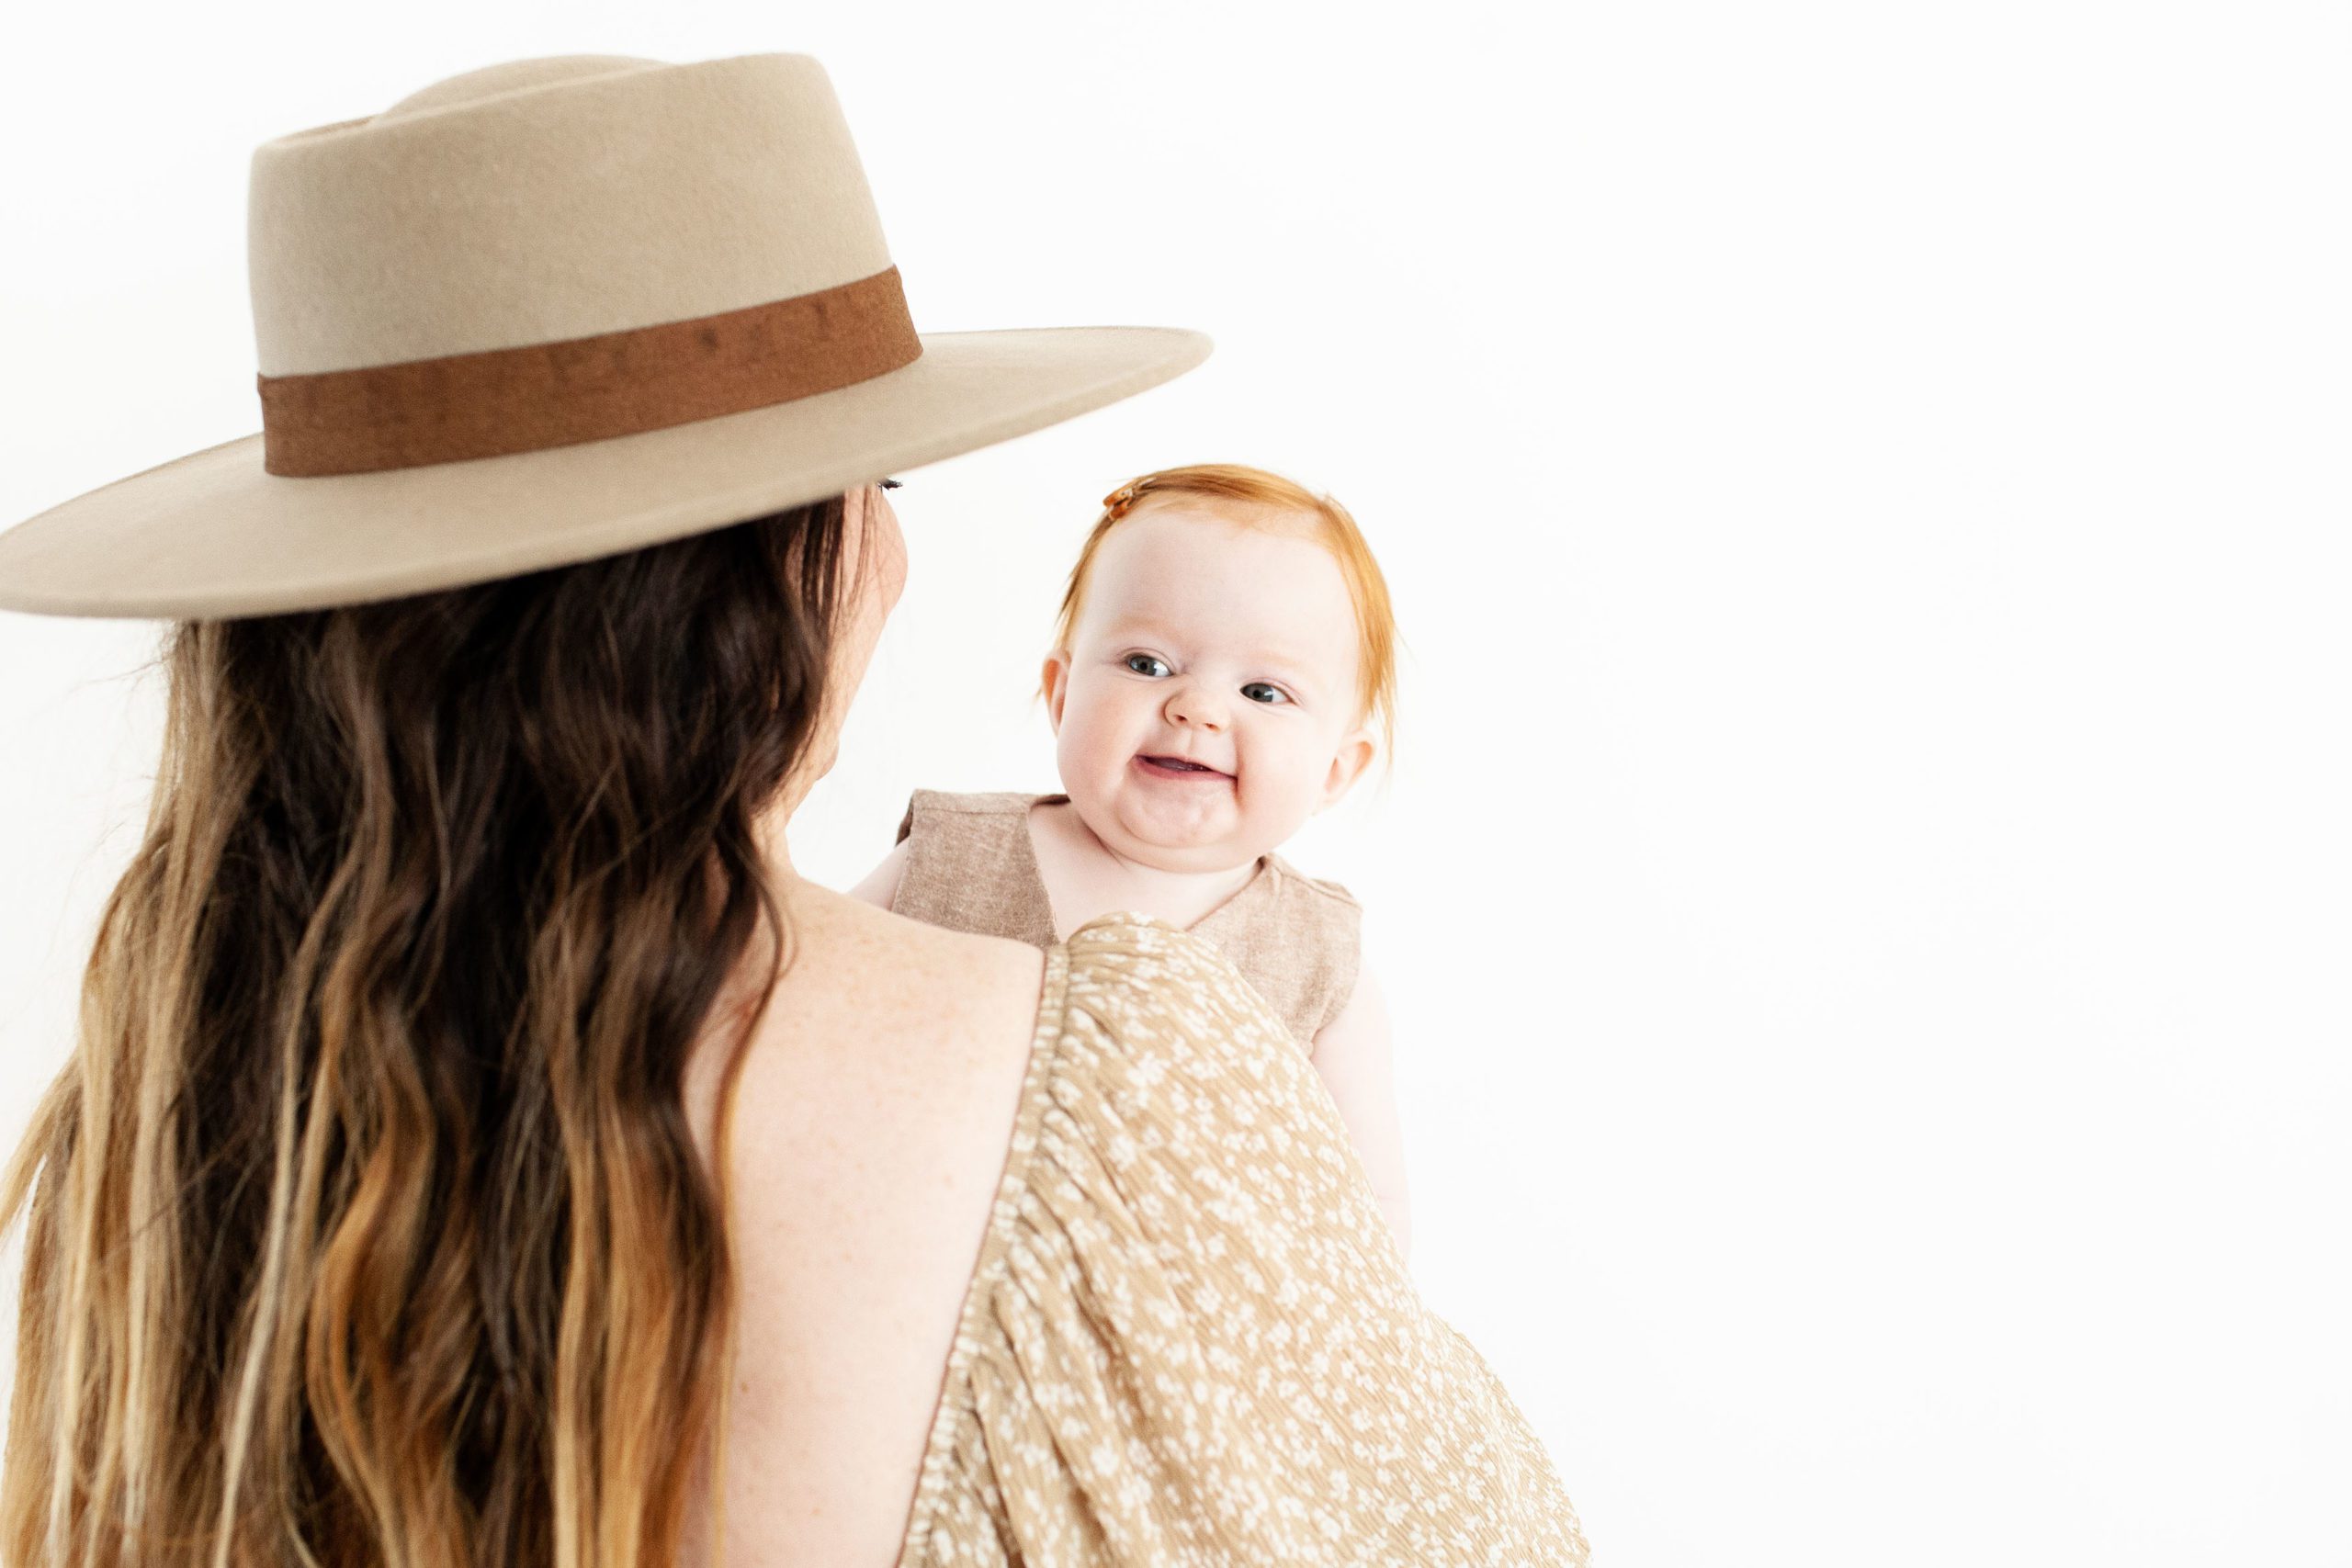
1353, 1053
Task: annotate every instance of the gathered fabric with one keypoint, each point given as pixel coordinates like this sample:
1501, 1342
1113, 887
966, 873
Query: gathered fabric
1189, 1338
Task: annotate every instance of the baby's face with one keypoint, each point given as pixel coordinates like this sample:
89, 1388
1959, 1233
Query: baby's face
1226, 647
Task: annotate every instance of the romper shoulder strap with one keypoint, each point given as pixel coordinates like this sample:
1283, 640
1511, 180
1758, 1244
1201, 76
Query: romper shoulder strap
970, 867
1298, 939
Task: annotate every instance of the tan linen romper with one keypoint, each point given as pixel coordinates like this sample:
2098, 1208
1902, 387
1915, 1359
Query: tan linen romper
1189, 1340
971, 866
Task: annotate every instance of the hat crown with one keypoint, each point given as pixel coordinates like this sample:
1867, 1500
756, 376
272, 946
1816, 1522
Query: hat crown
547, 200
510, 75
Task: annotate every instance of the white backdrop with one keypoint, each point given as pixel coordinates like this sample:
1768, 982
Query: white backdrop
1864, 892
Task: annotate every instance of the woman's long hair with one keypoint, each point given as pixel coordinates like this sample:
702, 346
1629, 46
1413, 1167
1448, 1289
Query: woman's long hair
369, 1227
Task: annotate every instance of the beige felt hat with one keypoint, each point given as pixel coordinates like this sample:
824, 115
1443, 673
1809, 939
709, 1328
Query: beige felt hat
548, 311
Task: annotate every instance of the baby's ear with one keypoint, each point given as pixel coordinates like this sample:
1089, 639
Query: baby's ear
1348, 763
1056, 686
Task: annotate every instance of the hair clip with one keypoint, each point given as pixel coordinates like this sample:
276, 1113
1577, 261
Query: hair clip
1119, 500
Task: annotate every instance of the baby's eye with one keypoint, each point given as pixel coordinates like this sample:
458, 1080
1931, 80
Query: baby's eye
1137, 661
1274, 693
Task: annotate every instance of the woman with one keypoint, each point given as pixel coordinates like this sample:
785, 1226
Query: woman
481, 1145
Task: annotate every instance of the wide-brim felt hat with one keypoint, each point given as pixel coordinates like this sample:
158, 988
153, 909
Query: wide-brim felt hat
549, 310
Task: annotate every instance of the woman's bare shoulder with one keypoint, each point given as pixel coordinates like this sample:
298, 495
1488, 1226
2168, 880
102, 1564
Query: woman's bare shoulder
899, 972
880, 1020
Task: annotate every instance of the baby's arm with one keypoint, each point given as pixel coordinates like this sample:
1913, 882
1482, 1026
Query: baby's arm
881, 884
1351, 1053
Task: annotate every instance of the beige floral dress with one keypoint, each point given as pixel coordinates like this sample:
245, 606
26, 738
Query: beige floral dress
1189, 1338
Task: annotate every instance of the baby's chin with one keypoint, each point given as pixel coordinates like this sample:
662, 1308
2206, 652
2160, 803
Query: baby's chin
1137, 836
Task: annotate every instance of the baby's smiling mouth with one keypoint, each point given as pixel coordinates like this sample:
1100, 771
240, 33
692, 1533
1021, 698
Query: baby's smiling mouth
1178, 767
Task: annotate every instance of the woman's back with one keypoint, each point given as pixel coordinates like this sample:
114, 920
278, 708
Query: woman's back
1119, 1292
871, 1125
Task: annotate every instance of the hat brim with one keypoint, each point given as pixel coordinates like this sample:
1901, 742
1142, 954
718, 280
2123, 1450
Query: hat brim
213, 535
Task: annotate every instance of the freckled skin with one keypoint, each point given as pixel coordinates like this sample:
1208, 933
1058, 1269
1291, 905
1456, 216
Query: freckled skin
1223, 644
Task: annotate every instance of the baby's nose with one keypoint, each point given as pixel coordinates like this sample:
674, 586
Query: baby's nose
1196, 705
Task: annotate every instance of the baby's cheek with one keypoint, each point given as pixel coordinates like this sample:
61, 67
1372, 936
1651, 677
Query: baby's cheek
1093, 745
1286, 783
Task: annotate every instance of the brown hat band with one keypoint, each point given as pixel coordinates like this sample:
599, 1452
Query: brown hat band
590, 389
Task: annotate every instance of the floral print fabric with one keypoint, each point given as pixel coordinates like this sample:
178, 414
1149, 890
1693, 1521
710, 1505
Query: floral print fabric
1189, 1338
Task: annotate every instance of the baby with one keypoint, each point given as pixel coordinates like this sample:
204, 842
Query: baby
1224, 652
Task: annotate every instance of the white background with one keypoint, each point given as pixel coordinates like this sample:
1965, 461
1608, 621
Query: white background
1864, 892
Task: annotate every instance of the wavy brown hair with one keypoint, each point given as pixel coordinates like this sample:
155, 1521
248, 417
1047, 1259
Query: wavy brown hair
367, 1225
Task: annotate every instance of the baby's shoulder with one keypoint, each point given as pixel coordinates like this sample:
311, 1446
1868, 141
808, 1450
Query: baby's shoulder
1317, 889
940, 804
